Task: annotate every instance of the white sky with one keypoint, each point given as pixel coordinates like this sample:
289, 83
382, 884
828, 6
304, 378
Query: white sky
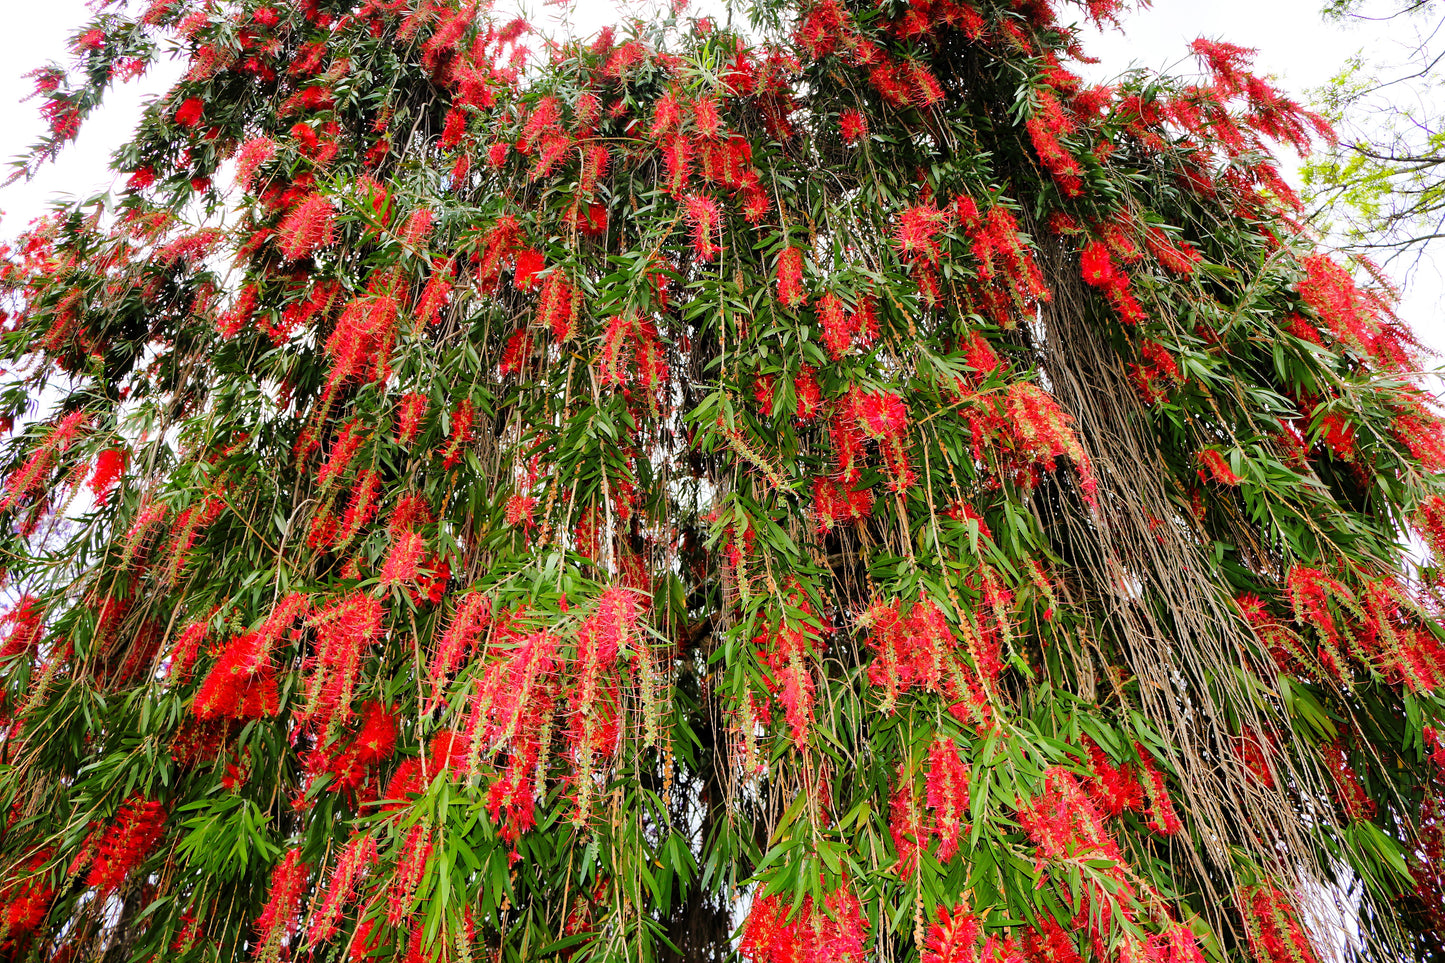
1295, 47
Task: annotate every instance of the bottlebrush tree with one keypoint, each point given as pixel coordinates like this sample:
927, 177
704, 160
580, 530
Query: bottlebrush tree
842, 488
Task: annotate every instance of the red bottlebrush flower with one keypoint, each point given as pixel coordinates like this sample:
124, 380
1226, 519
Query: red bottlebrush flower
139, 824
838, 328
518, 350
790, 278
519, 512
355, 862
807, 393
361, 508
1050, 944
590, 219
343, 450
418, 225
1351, 314
88, 41
403, 559
454, 129
1063, 822
1162, 817
460, 435
1178, 258
309, 226
186, 649
409, 415
435, 295
109, 467
140, 179
190, 111
190, 525
471, 617
948, 780
415, 853
376, 736
27, 622
25, 895
854, 126
288, 883
497, 154
1098, 265
1056, 159
1113, 788
916, 232
530, 263
980, 356
345, 629
1273, 927
360, 345
1216, 468
765, 391
953, 938
702, 214
554, 307
833, 932
706, 122
1338, 435
882, 414
788, 655
666, 115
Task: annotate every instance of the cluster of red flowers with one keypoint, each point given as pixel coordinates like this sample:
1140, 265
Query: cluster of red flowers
947, 795
1100, 271
459, 437
125, 844
309, 226
189, 526
914, 647
242, 684
345, 630
278, 921
1043, 430
25, 896
1214, 467
1155, 374
360, 344
843, 329
27, 626
835, 503
1008, 281
632, 355
509, 713
790, 278
1064, 823
1045, 127
788, 652
352, 866
833, 930
31, 476
1273, 926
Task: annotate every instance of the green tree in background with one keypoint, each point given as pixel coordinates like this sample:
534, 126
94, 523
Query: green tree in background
830, 487
1381, 186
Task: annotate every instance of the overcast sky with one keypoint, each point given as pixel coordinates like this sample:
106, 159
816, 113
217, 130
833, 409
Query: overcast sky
1295, 46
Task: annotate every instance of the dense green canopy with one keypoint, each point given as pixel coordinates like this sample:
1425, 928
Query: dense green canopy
834, 488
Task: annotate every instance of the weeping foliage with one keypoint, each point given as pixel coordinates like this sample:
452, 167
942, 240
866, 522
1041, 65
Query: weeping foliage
842, 488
